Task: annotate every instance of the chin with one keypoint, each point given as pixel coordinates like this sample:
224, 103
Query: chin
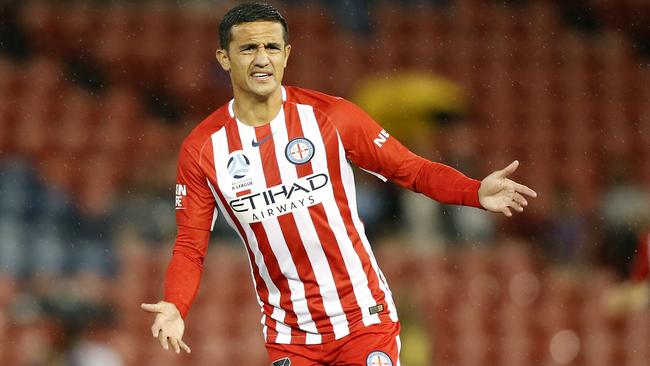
265, 91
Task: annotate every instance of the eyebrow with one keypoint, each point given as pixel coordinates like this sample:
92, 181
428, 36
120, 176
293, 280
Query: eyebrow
255, 45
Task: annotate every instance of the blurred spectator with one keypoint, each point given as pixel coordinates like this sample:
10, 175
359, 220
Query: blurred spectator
95, 220
457, 147
641, 264
33, 222
49, 238
409, 104
45, 235
13, 40
567, 230
580, 15
61, 330
633, 295
427, 113
354, 15
625, 210
351, 15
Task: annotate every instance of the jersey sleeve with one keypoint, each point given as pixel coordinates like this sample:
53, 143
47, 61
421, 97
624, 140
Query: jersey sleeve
185, 268
195, 216
372, 148
195, 204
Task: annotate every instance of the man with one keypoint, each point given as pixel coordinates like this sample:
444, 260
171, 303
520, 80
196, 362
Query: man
275, 160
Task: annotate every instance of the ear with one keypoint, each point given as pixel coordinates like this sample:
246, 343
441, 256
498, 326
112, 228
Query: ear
287, 50
224, 60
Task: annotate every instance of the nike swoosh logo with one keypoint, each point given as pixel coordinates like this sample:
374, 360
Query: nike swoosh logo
263, 140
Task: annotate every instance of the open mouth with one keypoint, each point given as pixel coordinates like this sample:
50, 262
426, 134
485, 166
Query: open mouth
261, 76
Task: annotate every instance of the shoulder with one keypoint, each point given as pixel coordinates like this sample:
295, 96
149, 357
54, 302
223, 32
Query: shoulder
330, 105
201, 133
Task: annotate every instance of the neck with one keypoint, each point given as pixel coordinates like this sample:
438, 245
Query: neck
255, 111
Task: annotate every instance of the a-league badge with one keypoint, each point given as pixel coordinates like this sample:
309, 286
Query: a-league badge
282, 362
238, 165
299, 150
378, 358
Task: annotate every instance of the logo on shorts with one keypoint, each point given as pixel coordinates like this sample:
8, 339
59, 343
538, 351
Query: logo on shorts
238, 165
299, 150
282, 362
378, 358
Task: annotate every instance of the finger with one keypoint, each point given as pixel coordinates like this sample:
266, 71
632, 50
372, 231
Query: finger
156, 327
509, 169
174, 343
506, 211
152, 308
510, 201
184, 346
155, 330
524, 190
162, 338
516, 206
520, 199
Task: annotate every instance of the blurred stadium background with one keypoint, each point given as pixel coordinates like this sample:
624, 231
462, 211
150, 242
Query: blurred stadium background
96, 97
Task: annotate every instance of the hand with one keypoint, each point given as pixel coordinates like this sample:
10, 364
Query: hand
499, 194
168, 325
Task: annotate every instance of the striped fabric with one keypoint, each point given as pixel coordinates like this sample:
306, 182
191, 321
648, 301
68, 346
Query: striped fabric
287, 188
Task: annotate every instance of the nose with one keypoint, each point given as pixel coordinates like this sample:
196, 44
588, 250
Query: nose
261, 57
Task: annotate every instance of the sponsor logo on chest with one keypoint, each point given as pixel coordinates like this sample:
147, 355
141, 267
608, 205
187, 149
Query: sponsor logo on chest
281, 199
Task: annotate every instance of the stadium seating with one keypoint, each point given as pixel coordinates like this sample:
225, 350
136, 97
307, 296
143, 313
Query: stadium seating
568, 105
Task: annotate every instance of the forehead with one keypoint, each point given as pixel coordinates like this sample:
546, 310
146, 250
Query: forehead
262, 31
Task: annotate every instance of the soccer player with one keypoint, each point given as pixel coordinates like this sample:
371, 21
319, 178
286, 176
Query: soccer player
276, 162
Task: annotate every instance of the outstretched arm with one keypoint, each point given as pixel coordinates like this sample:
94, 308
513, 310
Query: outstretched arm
500, 194
373, 149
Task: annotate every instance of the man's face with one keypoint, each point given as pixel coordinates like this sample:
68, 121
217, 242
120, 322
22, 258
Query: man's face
256, 57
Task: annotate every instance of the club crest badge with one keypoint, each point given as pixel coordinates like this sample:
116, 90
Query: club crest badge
378, 358
282, 362
299, 150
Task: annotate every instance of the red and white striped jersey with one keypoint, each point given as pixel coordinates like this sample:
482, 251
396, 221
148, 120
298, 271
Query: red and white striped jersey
287, 188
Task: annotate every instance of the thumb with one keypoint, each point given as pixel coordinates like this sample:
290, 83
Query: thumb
509, 169
152, 308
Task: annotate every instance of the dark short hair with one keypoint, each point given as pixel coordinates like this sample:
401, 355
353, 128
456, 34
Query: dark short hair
246, 13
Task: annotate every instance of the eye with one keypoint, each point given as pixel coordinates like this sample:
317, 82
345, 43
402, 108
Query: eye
248, 49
